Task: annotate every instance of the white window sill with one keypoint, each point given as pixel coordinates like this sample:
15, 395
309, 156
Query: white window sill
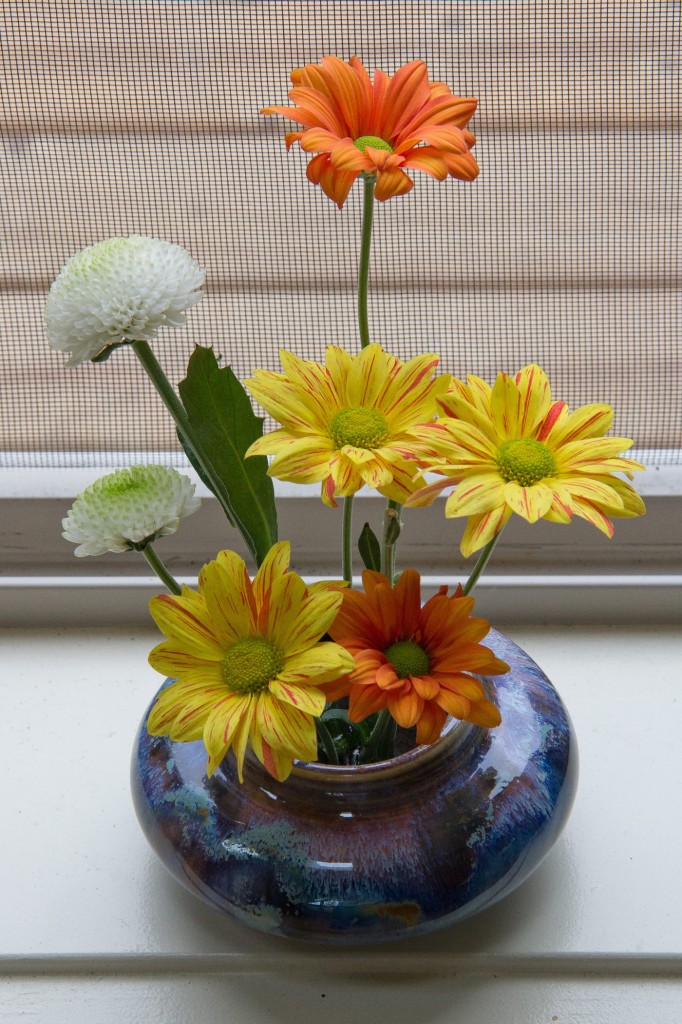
96, 930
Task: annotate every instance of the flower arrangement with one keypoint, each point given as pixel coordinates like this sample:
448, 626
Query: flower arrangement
324, 671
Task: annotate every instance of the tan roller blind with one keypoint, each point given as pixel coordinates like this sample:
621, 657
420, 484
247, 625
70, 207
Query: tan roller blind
142, 117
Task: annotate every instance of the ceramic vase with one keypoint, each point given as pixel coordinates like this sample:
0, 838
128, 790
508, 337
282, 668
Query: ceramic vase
368, 853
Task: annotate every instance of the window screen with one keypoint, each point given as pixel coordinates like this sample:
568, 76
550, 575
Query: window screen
143, 117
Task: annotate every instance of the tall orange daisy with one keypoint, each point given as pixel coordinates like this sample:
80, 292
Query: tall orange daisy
355, 420
511, 449
248, 661
416, 660
383, 127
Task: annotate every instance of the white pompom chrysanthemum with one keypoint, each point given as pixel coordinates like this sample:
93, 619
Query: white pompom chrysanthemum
122, 289
129, 508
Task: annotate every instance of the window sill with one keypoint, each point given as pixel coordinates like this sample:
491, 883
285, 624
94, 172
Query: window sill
102, 601
540, 574
98, 931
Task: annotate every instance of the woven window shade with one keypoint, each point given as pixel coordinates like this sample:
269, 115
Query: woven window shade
143, 117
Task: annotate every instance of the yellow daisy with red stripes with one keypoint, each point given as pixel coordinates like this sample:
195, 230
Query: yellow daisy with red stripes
353, 421
510, 448
416, 660
383, 127
248, 661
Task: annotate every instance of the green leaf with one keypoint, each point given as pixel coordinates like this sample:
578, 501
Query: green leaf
369, 548
224, 426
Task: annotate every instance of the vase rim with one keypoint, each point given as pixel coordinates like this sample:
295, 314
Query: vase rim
453, 735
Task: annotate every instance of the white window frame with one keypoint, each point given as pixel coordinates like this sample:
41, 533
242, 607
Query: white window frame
542, 574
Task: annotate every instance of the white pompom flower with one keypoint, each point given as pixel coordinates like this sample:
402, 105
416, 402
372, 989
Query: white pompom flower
120, 290
128, 509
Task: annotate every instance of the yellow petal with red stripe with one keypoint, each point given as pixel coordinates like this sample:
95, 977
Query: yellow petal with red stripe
298, 619
230, 603
229, 722
589, 454
187, 622
368, 376
587, 421
506, 408
304, 698
320, 664
530, 502
593, 515
345, 476
535, 398
481, 529
277, 762
480, 492
180, 711
306, 460
176, 661
284, 727
597, 492
281, 399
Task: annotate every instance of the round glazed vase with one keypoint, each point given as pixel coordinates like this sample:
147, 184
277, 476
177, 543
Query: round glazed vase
368, 853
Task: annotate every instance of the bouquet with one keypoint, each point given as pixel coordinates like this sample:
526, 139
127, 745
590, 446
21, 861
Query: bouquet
258, 658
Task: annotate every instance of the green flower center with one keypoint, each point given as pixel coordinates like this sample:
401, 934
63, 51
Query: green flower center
374, 141
408, 659
250, 664
526, 461
361, 428
124, 483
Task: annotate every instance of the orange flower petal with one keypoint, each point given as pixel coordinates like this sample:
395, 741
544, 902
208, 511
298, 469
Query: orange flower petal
406, 707
392, 183
319, 140
430, 724
364, 701
453, 703
428, 160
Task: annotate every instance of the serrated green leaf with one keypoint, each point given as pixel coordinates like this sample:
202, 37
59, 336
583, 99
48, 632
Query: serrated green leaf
225, 425
369, 548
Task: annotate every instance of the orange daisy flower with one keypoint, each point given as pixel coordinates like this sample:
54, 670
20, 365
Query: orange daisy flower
415, 660
384, 127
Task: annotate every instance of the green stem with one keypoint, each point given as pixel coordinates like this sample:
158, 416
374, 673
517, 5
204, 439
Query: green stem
363, 270
160, 569
177, 410
392, 527
347, 541
483, 560
325, 739
381, 745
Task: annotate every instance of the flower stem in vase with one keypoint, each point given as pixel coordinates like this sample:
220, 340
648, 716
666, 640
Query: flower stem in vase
347, 544
363, 270
392, 528
381, 745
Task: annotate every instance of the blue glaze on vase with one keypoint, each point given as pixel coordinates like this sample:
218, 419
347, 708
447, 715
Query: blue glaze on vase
379, 851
